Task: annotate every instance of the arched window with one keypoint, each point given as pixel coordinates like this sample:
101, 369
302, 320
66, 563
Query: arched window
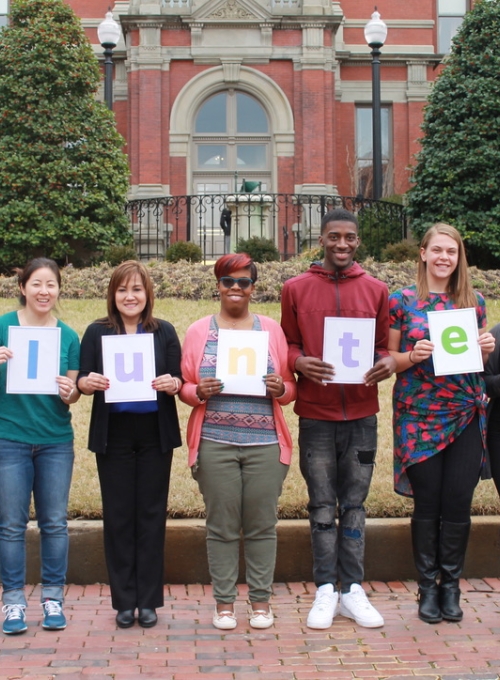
231, 143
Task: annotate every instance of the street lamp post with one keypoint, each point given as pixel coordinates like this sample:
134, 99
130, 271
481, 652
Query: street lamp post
108, 33
375, 35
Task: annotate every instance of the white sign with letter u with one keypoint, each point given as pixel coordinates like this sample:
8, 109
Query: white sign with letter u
129, 364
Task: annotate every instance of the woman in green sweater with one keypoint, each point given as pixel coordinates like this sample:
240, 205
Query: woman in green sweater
36, 455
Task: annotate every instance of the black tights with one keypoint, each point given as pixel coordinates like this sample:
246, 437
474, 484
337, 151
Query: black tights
443, 485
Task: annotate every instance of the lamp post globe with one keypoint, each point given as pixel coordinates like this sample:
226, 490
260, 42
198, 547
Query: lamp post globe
109, 33
375, 31
375, 36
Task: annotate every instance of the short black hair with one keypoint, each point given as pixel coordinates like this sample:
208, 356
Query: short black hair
339, 215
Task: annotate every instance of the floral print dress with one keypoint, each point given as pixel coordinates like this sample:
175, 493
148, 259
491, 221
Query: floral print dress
430, 411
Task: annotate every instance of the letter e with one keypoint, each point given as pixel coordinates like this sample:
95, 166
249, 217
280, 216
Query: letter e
453, 340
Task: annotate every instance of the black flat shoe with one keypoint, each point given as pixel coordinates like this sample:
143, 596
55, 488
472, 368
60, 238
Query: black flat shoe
147, 618
125, 619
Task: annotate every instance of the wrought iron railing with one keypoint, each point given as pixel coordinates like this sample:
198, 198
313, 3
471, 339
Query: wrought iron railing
291, 221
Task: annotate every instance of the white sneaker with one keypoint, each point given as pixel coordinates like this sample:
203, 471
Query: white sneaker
355, 605
324, 608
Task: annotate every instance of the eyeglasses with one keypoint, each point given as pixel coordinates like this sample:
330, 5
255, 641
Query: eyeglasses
229, 281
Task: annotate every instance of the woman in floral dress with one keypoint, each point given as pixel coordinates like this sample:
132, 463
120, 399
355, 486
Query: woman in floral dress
439, 422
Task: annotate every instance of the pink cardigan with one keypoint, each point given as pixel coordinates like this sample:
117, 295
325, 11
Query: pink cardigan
192, 354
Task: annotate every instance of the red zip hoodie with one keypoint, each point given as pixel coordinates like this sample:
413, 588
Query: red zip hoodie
305, 302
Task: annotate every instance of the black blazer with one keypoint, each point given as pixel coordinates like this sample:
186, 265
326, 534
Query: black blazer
167, 360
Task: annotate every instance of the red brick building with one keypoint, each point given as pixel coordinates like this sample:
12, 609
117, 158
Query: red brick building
210, 92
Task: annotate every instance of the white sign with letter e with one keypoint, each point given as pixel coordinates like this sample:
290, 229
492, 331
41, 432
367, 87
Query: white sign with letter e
36, 362
455, 335
349, 344
242, 361
129, 364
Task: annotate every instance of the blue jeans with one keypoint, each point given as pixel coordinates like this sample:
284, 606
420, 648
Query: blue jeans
337, 460
45, 470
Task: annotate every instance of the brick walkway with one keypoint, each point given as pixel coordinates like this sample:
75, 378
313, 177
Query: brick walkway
185, 646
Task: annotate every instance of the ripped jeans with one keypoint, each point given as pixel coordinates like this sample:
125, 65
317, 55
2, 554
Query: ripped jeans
337, 460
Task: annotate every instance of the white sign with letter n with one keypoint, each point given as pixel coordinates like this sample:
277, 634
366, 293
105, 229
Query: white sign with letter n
242, 361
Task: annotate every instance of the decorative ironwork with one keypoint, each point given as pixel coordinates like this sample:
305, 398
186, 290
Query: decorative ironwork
292, 221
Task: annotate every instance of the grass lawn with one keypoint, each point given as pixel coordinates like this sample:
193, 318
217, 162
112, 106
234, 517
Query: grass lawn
185, 500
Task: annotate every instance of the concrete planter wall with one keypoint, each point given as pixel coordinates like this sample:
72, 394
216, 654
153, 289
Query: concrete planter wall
388, 551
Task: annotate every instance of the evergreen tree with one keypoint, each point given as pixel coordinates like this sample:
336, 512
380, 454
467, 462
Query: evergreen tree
457, 177
63, 173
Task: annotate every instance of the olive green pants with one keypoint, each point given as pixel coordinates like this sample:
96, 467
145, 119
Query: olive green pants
240, 486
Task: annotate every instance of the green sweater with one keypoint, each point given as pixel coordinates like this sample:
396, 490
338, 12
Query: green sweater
37, 418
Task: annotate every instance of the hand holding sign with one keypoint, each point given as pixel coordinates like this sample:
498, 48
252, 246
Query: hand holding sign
95, 382
314, 369
5, 354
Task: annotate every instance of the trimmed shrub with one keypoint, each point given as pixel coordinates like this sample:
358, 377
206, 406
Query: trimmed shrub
401, 252
259, 248
184, 250
115, 255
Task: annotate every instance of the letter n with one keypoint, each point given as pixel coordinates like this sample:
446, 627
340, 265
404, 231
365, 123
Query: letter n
236, 354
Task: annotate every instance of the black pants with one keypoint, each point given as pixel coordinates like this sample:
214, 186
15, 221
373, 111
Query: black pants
443, 485
134, 476
494, 442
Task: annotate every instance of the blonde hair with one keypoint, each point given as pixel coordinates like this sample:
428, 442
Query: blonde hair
459, 286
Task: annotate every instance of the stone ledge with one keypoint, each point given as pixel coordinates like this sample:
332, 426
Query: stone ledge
388, 551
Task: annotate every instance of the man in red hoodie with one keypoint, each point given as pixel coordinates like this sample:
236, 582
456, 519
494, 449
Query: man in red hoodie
337, 422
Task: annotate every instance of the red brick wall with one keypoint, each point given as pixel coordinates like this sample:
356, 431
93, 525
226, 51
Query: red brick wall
324, 128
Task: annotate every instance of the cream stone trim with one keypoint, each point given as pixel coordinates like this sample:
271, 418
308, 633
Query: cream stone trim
194, 92
148, 191
392, 23
391, 49
359, 91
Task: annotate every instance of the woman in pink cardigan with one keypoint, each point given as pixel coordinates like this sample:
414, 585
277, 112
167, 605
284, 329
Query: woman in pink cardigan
239, 446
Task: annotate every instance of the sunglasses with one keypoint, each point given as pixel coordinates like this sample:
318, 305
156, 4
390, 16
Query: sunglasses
229, 281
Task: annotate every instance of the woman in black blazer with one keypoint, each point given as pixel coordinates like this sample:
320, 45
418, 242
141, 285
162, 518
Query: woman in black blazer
133, 443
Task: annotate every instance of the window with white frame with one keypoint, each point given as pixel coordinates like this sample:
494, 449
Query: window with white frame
4, 11
232, 137
364, 151
450, 15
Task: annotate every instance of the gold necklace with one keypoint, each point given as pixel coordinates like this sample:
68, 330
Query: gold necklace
235, 323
